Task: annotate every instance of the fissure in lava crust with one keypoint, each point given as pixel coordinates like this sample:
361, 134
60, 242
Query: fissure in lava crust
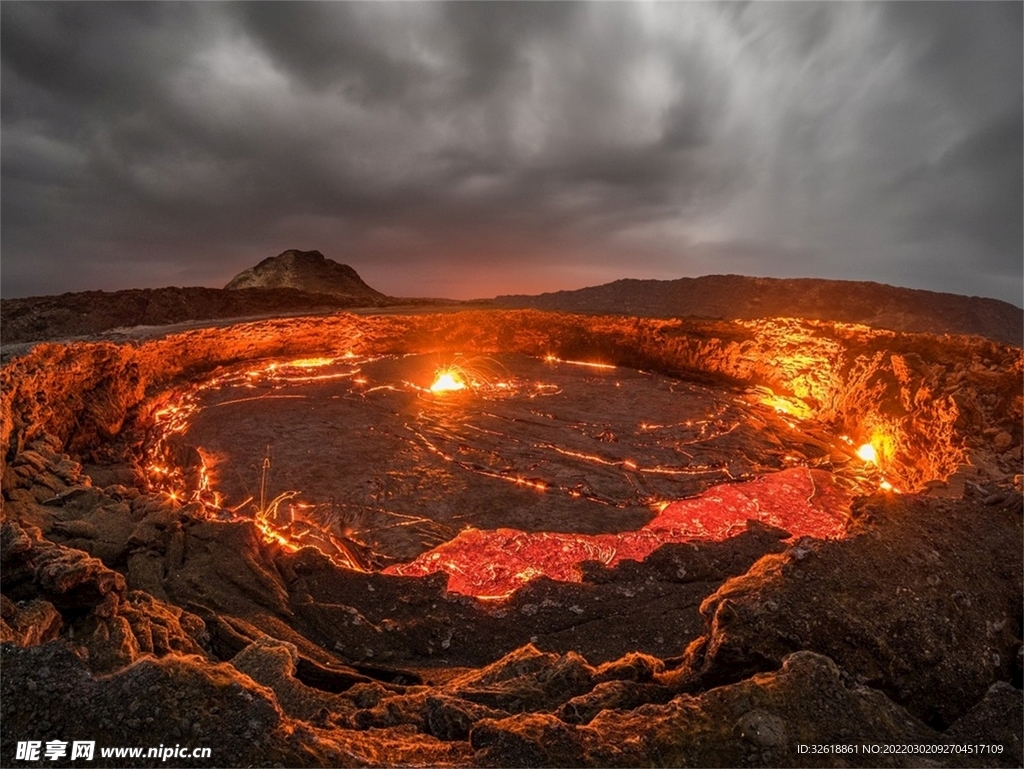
493, 564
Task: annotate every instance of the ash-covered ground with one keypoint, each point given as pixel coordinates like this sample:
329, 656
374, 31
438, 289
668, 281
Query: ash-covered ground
138, 614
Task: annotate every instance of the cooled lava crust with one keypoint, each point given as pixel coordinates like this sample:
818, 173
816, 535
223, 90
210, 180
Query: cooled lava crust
133, 618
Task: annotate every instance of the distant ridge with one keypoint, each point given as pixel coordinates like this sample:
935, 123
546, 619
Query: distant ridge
83, 313
740, 297
308, 271
292, 282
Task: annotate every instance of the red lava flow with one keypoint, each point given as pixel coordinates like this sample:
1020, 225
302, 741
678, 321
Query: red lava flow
494, 564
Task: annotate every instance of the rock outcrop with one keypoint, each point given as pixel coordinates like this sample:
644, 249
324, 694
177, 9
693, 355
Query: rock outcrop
307, 271
927, 615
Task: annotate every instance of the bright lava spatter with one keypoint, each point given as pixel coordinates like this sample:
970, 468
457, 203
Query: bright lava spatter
868, 453
447, 381
491, 564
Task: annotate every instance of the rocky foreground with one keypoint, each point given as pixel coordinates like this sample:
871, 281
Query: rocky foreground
905, 633
131, 619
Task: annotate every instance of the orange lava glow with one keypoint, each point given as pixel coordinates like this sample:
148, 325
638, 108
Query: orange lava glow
279, 521
447, 380
491, 565
589, 364
789, 406
310, 362
868, 454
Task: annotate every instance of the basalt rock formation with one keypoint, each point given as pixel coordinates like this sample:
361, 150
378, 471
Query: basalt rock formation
126, 612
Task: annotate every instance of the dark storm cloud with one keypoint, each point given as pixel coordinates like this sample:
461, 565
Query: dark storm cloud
983, 171
479, 148
323, 46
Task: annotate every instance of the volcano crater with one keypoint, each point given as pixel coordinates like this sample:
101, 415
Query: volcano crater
121, 479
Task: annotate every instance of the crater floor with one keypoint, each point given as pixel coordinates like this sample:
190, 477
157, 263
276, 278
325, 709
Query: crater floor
529, 444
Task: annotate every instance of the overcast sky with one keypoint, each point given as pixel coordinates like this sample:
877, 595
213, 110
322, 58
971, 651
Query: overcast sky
473, 149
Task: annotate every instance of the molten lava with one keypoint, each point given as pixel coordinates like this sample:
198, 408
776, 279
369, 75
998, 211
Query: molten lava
587, 363
570, 444
868, 453
492, 565
192, 480
447, 380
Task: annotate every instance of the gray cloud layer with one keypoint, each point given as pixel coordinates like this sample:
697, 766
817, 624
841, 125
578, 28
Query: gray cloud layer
470, 149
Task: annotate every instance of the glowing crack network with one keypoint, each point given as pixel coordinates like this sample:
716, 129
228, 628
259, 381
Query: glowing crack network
537, 466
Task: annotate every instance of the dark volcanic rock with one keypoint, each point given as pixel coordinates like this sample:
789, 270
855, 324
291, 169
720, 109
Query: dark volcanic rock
762, 721
536, 739
307, 271
738, 296
273, 664
527, 680
69, 579
47, 693
997, 719
57, 587
87, 313
451, 718
611, 695
923, 603
153, 702
29, 624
